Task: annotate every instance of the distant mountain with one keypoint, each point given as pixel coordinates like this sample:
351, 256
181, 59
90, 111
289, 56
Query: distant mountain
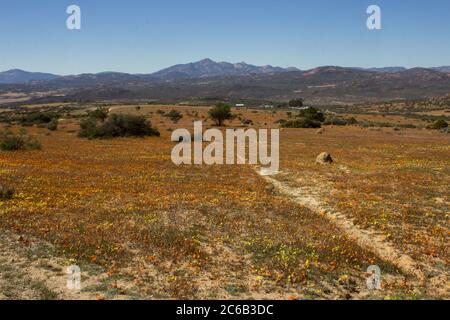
386, 69
445, 69
209, 68
89, 79
207, 80
21, 76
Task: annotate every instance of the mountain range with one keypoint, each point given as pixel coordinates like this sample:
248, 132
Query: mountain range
200, 69
21, 76
205, 68
207, 80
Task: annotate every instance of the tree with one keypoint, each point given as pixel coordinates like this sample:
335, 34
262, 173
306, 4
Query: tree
296, 103
220, 113
174, 115
312, 114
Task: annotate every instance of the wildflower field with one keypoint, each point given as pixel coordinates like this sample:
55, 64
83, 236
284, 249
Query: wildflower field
141, 227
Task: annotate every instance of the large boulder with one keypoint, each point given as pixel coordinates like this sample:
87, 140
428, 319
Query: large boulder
324, 158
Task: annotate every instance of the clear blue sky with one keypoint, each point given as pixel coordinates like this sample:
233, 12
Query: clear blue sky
140, 36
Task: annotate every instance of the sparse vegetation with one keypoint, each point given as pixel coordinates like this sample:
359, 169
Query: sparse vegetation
123, 206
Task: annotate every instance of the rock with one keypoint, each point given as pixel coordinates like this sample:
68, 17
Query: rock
321, 131
324, 158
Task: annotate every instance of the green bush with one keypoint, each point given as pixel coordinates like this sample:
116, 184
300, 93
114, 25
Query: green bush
10, 141
99, 113
312, 114
53, 125
174, 115
38, 118
117, 125
438, 125
300, 123
6, 193
296, 103
340, 121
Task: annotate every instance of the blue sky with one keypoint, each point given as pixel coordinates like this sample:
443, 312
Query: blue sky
140, 36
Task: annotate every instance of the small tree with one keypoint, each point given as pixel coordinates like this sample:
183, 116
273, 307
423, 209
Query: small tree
312, 114
220, 113
174, 115
296, 103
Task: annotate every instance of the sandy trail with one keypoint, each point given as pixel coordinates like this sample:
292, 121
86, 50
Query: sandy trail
367, 239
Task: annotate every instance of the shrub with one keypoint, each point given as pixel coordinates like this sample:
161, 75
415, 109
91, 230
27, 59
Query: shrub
88, 128
99, 113
38, 118
296, 103
220, 113
246, 122
117, 125
340, 121
312, 114
6, 193
174, 115
53, 125
438, 125
10, 141
300, 123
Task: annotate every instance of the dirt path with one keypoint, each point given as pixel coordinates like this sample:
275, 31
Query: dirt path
375, 243
434, 282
